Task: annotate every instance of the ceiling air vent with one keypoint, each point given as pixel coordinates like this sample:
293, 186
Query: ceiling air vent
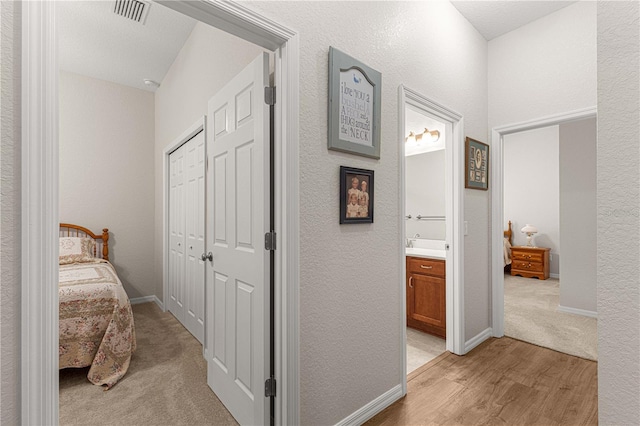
135, 10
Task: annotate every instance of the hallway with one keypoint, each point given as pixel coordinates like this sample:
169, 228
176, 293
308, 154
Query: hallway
502, 381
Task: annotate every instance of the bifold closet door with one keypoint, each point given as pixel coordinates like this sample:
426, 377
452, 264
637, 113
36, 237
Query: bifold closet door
186, 229
177, 239
194, 214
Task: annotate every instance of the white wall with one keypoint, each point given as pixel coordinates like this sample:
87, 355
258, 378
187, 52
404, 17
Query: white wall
425, 192
531, 188
328, 378
578, 216
618, 198
208, 60
106, 171
10, 236
543, 68
350, 285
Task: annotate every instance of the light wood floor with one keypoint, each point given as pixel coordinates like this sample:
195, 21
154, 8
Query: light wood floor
501, 382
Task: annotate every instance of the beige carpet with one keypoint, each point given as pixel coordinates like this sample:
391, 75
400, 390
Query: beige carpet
530, 315
166, 383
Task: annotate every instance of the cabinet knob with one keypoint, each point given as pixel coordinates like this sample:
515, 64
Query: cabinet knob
410, 284
426, 267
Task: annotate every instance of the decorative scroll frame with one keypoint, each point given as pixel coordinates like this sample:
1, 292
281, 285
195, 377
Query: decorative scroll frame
344, 129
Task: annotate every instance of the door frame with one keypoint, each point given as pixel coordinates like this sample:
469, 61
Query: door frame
40, 189
194, 129
455, 208
497, 201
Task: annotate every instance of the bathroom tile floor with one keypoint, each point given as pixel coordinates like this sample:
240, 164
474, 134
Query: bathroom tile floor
422, 348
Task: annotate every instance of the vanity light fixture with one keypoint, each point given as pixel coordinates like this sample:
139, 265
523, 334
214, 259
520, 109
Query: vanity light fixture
426, 136
431, 136
411, 139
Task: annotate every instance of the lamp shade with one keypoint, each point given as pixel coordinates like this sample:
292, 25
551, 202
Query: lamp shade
529, 229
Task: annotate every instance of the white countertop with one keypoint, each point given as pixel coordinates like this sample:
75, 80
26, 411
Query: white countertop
426, 253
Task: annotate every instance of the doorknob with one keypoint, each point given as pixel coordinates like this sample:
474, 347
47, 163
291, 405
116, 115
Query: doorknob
208, 256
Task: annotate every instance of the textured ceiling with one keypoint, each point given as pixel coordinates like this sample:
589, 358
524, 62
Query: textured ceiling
494, 18
95, 42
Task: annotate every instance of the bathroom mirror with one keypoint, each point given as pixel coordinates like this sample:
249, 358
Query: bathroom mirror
424, 175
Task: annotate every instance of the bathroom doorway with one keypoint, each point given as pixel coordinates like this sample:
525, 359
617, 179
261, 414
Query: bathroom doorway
425, 232
431, 151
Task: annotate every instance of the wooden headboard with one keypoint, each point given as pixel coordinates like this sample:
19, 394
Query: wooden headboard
509, 233
102, 241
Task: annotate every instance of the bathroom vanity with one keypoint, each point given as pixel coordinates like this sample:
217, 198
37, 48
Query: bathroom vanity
426, 290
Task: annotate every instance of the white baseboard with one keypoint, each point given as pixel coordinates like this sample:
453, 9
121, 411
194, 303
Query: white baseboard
476, 340
374, 407
556, 276
147, 299
576, 311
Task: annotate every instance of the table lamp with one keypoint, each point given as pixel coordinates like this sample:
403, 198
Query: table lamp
529, 230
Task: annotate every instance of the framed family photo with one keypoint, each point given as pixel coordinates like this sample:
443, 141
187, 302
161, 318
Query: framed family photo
356, 195
477, 165
354, 106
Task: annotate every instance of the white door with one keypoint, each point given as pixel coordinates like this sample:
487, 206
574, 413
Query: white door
195, 235
237, 289
177, 238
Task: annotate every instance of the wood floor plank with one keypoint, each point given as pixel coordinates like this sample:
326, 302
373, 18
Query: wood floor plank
501, 382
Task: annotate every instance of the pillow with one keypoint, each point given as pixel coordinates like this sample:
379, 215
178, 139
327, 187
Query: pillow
76, 250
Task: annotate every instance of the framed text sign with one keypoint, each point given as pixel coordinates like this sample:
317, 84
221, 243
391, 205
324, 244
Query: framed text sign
477, 165
354, 106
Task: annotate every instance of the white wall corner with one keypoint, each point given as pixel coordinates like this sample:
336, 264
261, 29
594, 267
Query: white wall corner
477, 339
147, 299
576, 311
374, 407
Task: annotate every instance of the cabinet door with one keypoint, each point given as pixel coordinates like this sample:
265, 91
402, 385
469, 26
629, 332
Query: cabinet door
427, 300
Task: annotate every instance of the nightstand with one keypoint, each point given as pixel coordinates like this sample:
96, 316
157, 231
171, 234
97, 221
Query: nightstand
530, 262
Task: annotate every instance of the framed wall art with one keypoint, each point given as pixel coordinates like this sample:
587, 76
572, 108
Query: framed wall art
354, 106
477, 165
356, 195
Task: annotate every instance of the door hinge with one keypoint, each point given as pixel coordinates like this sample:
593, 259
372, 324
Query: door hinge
270, 240
270, 387
270, 95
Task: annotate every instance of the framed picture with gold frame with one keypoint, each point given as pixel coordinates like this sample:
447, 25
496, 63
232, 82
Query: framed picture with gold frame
476, 155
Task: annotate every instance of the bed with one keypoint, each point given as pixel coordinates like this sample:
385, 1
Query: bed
507, 241
96, 321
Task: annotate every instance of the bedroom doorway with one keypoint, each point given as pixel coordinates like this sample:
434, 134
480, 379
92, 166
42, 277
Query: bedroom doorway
550, 199
574, 119
40, 397
426, 232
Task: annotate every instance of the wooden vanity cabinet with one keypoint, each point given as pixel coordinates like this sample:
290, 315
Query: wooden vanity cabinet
426, 289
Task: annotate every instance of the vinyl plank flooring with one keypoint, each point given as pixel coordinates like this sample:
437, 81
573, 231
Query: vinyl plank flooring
501, 382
